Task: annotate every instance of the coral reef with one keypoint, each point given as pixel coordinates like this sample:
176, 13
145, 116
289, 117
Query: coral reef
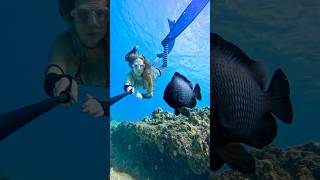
163, 146
299, 162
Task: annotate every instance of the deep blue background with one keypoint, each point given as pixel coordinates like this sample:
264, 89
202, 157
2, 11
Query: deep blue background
63, 143
280, 34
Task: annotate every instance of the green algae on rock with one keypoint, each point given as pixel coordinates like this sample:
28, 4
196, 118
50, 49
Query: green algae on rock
163, 146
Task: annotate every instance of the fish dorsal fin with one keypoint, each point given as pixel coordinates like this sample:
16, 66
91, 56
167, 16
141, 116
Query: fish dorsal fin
235, 54
178, 75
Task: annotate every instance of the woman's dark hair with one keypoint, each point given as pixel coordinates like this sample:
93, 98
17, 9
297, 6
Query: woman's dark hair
147, 75
65, 8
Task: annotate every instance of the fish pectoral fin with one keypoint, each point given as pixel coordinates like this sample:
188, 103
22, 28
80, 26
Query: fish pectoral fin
235, 156
184, 111
176, 112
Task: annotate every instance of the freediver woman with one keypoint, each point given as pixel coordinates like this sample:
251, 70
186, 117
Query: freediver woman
79, 55
143, 74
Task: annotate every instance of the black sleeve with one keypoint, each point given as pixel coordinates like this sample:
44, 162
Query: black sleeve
51, 79
125, 88
104, 106
49, 82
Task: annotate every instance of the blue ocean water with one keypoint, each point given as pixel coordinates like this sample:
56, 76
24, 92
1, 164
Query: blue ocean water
280, 34
63, 143
144, 23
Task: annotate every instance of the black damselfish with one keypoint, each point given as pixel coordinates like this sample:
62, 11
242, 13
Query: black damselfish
242, 109
179, 94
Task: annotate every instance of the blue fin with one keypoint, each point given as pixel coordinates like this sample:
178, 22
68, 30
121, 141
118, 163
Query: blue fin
171, 23
188, 15
171, 43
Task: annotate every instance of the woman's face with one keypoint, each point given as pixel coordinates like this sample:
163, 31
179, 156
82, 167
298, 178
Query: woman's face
90, 18
138, 67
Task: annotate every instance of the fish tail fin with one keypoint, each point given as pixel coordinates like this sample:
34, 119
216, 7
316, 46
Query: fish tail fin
279, 91
236, 157
197, 92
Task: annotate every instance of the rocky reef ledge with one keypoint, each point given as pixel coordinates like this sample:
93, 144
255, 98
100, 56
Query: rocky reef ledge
300, 162
163, 146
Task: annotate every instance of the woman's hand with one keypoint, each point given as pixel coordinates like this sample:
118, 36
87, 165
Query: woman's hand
130, 89
93, 107
139, 95
62, 85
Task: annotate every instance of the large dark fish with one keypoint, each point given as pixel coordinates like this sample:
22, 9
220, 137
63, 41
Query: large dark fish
243, 112
179, 94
